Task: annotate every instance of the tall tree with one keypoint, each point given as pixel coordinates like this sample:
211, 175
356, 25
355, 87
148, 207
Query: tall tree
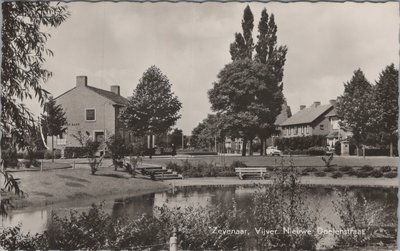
22, 74
23, 54
53, 121
208, 133
243, 46
153, 108
246, 97
386, 105
274, 57
355, 108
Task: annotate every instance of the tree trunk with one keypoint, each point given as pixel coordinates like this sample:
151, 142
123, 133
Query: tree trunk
391, 148
363, 151
251, 148
262, 151
244, 147
52, 148
151, 146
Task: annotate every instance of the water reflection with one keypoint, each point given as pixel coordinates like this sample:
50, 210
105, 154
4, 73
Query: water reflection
319, 199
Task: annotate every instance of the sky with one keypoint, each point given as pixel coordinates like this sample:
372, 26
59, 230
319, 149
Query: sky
114, 44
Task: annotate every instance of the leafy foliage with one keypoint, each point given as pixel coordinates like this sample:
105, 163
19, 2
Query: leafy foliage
206, 132
116, 145
355, 213
281, 206
23, 55
246, 97
355, 106
153, 108
386, 107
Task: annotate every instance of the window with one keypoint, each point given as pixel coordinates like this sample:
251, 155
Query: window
321, 127
90, 114
288, 130
308, 129
296, 130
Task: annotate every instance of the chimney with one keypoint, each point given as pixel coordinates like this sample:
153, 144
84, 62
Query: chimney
302, 107
81, 81
332, 102
316, 103
115, 89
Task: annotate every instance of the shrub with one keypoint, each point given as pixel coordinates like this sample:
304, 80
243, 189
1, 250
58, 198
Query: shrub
10, 158
362, 174
304, 173
238, 163
385, 169
390, 175
345, 169
366, 168
352, 172
320, 174
310, 169
75, 152
329, 169
316, 151
116, 145
299, 144
337, 175
377, 173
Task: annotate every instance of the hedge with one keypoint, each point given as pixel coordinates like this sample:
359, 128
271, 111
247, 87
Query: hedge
75, 152
300, 143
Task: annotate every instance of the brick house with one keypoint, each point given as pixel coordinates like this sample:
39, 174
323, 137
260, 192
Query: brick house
92, 111
308, 121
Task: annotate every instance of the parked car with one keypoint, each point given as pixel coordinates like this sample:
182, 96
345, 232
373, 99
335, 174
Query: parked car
273, 151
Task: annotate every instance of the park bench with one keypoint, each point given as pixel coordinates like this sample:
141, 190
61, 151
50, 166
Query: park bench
256, 172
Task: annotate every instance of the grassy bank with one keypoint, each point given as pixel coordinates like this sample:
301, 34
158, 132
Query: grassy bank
78, 187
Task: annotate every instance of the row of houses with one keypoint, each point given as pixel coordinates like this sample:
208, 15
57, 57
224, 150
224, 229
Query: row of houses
316, 119
94, 112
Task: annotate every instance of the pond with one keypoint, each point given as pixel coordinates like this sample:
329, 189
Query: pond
316, 197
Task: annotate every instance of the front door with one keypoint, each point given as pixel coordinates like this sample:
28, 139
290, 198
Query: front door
99, 136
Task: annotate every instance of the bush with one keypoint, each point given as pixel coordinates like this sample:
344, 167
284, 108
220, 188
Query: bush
366, 168
304, 173
377, 173
390, 175
385, 169
310, 169
336, 175
329, 169
362, 174
238, 163
345, 169
352, 172
75, 152
320, 174
10, 158
316, 151
300, 144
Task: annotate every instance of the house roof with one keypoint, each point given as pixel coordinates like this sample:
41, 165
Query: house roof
332, 113
117, 99
282, 116
307, 115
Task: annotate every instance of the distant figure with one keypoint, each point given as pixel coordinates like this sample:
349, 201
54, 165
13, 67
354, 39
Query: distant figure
173, 150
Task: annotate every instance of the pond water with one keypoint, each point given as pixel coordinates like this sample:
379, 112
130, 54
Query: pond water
316, 197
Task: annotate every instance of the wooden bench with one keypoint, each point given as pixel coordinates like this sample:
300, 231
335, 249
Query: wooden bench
260, 172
